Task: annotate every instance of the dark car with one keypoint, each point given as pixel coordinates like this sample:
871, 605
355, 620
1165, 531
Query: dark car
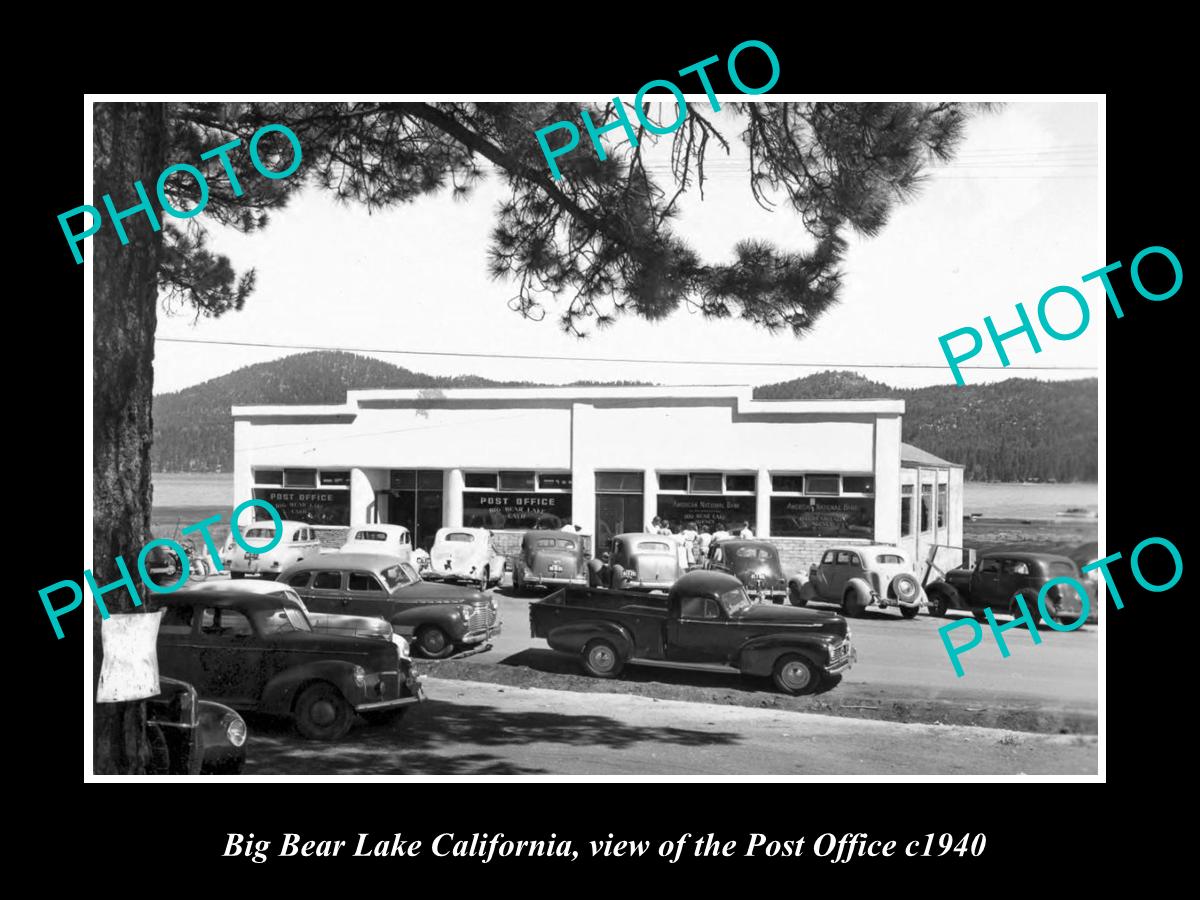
190, 736
550, 558
442, 617
639, 562
259, 652
999, 575
707, 620
754, 563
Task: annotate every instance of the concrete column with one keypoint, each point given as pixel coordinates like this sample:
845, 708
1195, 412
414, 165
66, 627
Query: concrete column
887, 480
452, 498
243, 477
362, 497
583, 468
650, 496
762, 504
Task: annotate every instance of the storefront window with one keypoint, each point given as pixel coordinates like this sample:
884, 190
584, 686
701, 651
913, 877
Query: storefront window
858, 484
711, 501
516, 481
846, 517
670, 482
926, 507
480, 480
906, 510
619, 482
941, 506
706, 483
787, 484
300, 477
740, 484
821, 484
269, 476
296, 497
517, 500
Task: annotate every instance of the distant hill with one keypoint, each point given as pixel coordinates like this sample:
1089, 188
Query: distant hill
1015, 430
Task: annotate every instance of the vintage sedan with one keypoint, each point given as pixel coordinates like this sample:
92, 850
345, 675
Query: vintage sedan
324, 623
862, 577
465, 554
442, 617
190, 736
639, 562
258, 652
1000, 575
549, 558
755, 563
394, 540
298, 541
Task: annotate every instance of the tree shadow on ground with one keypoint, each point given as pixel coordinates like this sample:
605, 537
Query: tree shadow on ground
441, 738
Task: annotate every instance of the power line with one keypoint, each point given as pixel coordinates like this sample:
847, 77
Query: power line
609, 359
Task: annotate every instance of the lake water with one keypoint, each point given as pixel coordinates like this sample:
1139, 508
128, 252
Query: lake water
1023, 501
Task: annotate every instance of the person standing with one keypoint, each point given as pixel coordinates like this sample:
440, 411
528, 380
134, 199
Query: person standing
747, 532
689, 536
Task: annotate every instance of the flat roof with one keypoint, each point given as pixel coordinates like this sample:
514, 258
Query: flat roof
742, 396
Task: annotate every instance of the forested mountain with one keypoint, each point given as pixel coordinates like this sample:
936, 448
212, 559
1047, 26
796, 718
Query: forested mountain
1020, 429
1015, 430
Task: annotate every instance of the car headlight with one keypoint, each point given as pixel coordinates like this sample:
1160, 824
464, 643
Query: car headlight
235, 730
465, 613
401, 646
492, 600
360, 676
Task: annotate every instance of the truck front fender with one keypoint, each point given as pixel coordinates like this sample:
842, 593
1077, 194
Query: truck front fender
444, 615
280, 693
574, 636
757, 656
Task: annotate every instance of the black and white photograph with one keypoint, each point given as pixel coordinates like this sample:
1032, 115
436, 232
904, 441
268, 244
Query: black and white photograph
702, 433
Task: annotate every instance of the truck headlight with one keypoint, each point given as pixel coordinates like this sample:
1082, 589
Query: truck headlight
360, 676
235, 730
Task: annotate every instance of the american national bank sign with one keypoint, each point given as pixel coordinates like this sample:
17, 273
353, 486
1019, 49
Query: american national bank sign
515, 510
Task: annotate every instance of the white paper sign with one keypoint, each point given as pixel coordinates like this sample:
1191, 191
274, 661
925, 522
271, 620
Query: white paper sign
130, 669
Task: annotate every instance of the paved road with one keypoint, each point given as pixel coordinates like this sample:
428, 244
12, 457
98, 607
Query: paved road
468, 728
898, 659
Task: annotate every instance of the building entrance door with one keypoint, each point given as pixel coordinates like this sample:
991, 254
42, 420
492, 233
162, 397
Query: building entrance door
616, 514
415, 501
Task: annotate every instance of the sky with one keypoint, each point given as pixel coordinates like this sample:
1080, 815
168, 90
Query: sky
1015, 214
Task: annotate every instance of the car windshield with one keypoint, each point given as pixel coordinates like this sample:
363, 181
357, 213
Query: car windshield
735, 601
398, 575
413, 575
459, 537
370, 536
277, 621
889, 559
260, 533
653, 547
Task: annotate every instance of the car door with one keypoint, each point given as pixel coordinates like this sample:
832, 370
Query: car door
819, 574
699, 631
325, 592
716, 560
837, 575
177, 644
230, 657
1014, 575
986, 588
366, 596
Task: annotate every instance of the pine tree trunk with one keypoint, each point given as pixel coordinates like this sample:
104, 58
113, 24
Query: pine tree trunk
130, 144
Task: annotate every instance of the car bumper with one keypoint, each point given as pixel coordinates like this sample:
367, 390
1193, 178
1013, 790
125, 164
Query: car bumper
551, 580
842, 663
255, 566
388, 690
648, 585
476, 637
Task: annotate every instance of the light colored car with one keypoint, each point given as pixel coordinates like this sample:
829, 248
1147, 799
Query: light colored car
861, 577
299, 541
465, 554
324, 623
394, 540
640, 562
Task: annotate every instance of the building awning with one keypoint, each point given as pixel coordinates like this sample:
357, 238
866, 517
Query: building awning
915, 456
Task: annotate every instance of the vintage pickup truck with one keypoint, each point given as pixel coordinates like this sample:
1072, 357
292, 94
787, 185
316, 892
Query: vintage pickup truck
706, 621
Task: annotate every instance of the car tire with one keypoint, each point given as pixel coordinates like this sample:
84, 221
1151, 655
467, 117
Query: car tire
385, 716
796, 594
1035, 614
601, 659
233, 574
910, 612
322, 713
485, 579
433, 643
518, 583
159, 762
795, 674
852, 604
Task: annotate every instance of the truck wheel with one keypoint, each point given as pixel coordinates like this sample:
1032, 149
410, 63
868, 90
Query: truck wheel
433, 643
322, 713
796, 594
796, 674
942, 598
601, 659
518, 582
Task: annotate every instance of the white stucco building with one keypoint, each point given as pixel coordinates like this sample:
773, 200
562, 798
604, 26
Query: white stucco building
805, 473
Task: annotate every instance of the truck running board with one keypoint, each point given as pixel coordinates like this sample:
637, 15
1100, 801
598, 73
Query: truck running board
667, 664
